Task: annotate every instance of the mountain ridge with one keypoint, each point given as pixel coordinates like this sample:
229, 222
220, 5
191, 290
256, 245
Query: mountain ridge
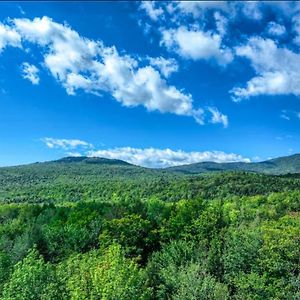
92, 160
276, 166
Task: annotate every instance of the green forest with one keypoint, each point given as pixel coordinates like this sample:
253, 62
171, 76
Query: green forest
101, 229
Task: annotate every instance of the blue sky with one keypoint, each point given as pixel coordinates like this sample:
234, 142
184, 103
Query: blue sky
154, 83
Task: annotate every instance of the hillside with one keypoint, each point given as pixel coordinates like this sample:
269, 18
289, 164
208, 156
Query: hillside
92, 160
74, 179
75, 166
277, 166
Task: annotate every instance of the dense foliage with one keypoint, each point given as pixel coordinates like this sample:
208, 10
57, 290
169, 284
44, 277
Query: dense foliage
113, 231
93, 181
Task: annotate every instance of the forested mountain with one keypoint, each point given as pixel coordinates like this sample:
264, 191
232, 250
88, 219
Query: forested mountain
92, 160
90, 228
281, 165
99, 179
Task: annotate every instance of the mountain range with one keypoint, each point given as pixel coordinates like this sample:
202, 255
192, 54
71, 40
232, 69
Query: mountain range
92, 178
277, 166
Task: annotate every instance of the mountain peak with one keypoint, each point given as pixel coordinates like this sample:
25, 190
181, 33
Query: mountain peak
92, 160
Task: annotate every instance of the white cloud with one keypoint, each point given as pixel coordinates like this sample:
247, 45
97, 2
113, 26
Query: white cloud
296, 28
285, 116
153, 12
80, 63
9, 37
289, 114
160, 158
74, 154
196, 44
221, 23
251, 9
276, 29
218, 117
277, 69
57, 41
30, 72
65, 144
197, 8
165, 66
173, 11
21, 10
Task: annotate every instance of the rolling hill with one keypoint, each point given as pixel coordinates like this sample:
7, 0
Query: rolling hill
90, 178
278, 166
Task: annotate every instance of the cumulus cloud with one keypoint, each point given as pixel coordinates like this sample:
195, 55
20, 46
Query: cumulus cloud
79, 63
221, 23
198, 40
218, 117
276, 29
296, 28
161, 158
165, 66
196, 44
152, 11
30, 72
64, 50
276, 67
213, 22
206, 30
9, 37
250, 9
198, 8
65, 144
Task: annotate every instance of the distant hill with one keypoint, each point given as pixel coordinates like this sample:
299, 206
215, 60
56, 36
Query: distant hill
74, 179
74, 170
69, 167
118, 168
278, 166
99, 179
92, 160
